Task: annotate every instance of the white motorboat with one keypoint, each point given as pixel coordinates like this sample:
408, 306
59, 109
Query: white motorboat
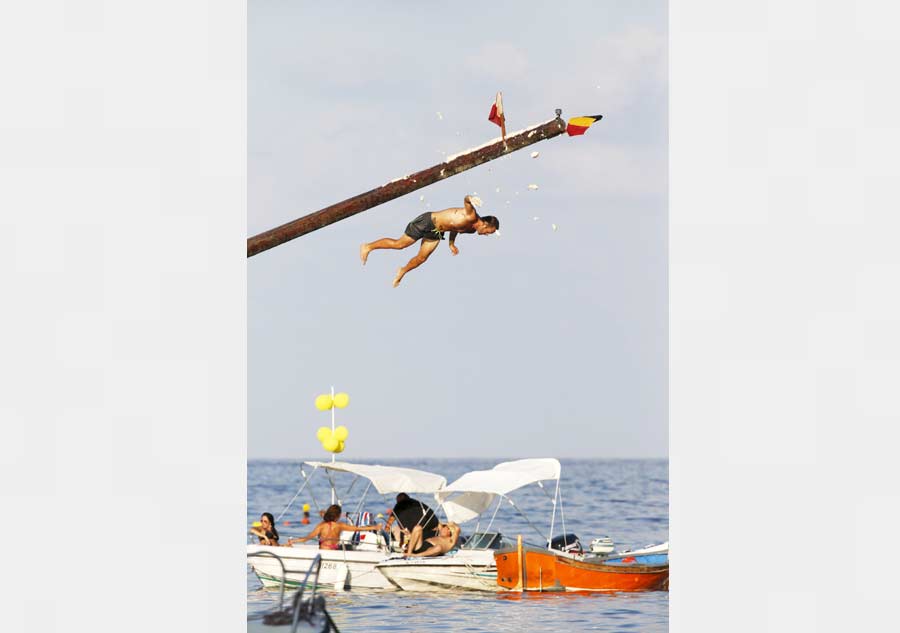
472, 565
649, 555
353, 565
468, 567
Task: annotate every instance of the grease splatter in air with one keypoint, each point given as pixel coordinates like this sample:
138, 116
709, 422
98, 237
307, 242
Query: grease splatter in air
440, 116
554, 227
532, 187
535, 154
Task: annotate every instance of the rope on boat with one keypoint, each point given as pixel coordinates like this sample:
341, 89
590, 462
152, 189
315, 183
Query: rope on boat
513, 504
313, 495
294, 498
491, 522
358, 511
350, 487
474, 573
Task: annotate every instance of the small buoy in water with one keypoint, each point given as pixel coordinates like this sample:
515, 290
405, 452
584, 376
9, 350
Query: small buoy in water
256, 524
306, 507
286, 523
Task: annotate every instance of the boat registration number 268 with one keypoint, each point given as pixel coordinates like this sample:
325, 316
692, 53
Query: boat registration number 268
329, 565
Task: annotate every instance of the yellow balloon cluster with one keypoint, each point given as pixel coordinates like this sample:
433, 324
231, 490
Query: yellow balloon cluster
333, 441
326, 402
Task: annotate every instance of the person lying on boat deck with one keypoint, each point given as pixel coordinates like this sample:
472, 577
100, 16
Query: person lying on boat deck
329, 530
411, 514
448, 535
267, 533
430, 228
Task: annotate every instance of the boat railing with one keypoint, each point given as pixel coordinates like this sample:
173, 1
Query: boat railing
301, 609
309, 605
283, 572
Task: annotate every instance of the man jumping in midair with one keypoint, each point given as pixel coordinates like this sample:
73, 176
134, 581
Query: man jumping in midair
430, 228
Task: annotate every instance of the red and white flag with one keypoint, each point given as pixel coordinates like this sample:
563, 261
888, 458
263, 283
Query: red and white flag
497, 116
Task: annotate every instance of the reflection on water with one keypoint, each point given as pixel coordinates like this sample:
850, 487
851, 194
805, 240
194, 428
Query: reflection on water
624, 499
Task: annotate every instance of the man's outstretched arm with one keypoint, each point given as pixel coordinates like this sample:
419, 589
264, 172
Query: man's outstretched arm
453, 248
471, 202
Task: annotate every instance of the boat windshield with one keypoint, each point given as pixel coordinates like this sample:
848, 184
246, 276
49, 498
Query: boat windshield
485, 540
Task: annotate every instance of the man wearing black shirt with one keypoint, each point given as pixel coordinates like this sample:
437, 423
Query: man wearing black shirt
410, 513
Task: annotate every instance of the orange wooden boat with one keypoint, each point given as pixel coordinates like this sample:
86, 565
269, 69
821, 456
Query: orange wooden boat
528, 568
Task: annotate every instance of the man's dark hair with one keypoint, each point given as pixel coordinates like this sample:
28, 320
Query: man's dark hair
402, 497
490, 220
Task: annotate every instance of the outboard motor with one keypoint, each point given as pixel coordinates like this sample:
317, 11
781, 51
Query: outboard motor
568, 543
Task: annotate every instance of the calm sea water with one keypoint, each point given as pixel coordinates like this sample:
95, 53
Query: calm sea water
627, 500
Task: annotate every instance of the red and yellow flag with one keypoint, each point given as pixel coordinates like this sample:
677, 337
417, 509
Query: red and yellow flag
496, 115
580, 124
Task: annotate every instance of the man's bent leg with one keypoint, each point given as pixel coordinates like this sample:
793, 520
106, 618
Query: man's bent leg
425, 251
401, 242
415, 539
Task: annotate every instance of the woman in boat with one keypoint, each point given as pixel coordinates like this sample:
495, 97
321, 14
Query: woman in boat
448, 535
329, 530
266, 532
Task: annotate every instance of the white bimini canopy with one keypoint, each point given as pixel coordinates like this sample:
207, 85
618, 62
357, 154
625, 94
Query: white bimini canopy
474, 492
389, 479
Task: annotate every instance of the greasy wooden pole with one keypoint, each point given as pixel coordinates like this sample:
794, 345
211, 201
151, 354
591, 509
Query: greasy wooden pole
402, 186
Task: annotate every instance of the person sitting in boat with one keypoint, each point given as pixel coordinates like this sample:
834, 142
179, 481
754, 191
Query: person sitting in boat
411, 515
329, 530
430, 228
448, 535
266, 531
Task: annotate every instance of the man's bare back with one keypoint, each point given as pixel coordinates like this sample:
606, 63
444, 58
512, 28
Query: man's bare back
457, 219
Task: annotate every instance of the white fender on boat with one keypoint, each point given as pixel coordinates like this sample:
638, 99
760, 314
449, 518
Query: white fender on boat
342, 575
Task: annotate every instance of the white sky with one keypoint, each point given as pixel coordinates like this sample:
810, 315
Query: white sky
529, 344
